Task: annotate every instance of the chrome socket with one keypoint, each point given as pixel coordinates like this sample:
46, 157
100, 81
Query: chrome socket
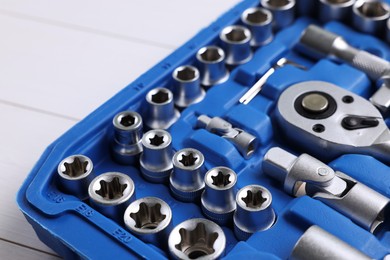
339, 10
388, 30
235, 40
150, 219
75, 174
156, 159
110, 193
259, 22
187, 179
283, 12
254, 211
370, 16
186, 86
218, 199
211, 64
126, 145
161, 112
197, 238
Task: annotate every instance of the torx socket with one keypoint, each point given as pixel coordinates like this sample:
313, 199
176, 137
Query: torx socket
126, 146
150, 219
156, 159
370, 16
110, 193
211, 64
187, 178
283, 12
197, 238
254, 211
259, 22
339, 10
186, 86
235, 40
161, 112
218, 198
75, 174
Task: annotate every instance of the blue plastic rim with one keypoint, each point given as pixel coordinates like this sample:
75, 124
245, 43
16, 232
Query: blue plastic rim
75, 230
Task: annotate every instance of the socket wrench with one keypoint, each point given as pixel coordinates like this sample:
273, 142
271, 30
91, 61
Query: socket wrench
254, 211
187, 178
283, 12
75, 173
370, 16
329, 44
305, 175
126, 146
259, 22
211, 64
330, 10
330, 121
235, 40
197, 238
156, 159
319, 244
110, 193
245, 143
218, 199
150, 219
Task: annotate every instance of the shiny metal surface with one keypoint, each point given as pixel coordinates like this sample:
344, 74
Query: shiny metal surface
283, 12
315, 102
259, 22
211, 64
370, 16
235, 41
331, 10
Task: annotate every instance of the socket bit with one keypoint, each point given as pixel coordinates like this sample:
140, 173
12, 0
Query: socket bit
283, 12
161, 112
197, 238
235, 40
187, 178
370, 16
254, 211
211, 64
110, 193
186, 86
388, 30
330, 10
156, 159
126, 146
150, 219
75, 174
259, 22
218, 198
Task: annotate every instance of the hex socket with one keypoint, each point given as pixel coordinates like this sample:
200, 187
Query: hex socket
370, 16
150, 219
110, 193
156, 159
126, 145
75, 174
259, 22
254, 211
283, 12
218, 198
211, 64
235, 41
339, 10
187, 178
161, 112
186, 86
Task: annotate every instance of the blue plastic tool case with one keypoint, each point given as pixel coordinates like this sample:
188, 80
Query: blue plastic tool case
74, 230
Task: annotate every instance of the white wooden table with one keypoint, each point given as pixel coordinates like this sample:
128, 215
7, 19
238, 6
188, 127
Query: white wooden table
59, 60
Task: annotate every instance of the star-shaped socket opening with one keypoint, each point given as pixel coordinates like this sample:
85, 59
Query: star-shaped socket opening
211, 54
76, 168
111, 190
197, 242
127, 120
186, 73
148, 216
160, 97
157, 140
236, 35
278, 3
188, 160
257, 17
254, 199
221, 180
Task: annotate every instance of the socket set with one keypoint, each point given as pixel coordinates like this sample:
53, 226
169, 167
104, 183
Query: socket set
266, 136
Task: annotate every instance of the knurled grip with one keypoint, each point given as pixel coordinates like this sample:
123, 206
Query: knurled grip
372, 65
